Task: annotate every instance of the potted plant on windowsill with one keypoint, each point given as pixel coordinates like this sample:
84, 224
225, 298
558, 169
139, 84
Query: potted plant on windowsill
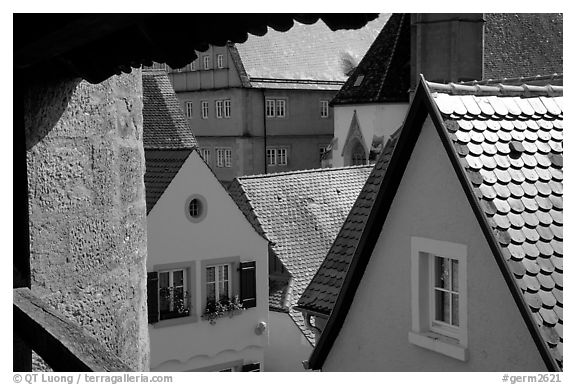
216, 309
174, 303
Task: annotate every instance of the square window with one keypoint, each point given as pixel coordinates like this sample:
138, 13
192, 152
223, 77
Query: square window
219, 108
189, 109
280, 108
204, 109
227, 108
438, 297
324, 108
270, 108
220, 61
206, 61
223, 157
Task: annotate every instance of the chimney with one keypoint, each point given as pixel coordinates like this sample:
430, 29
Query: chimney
447, 47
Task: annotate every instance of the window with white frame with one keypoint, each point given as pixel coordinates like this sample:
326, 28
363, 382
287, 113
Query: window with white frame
276, 156
174, 300
282, 156
205, 153
219, 109
204, 105
206, 61
193, 65
220, 61
324, 108
275, 108
271, 156
280, 108
270, 108
227, 108
438, 297
189, 110
223, 157
218, 287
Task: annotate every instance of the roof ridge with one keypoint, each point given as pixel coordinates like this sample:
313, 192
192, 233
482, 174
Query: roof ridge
396, 39
554, 76
307, 171
524, 90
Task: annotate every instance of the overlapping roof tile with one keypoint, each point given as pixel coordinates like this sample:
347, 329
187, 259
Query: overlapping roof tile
511, 146
165, 126
321, 294
168, 139
300, 213
517, 46
295, 55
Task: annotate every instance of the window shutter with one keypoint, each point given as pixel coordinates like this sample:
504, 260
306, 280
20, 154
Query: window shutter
152, 297
248, 284
251, 367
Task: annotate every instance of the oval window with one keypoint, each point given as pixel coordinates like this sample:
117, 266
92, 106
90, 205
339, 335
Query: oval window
195, 208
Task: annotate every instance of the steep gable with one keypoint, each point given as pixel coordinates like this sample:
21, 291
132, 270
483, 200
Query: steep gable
505, 144
168, 139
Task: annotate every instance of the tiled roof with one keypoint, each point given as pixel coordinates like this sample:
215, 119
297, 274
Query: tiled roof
505, 144
161, 167
278, 294
300, 213
516, 45
323, 290
385, 68
165, 126
522, 44
168, 139
306, 51
511, 147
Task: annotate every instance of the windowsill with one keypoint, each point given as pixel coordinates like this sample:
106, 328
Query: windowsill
440, 344
176, 321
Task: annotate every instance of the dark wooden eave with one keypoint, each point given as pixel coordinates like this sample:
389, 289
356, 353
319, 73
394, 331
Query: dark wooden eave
97, 46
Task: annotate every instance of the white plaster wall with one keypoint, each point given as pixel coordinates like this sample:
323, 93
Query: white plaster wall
288, 347
430, 203
224, 232
380, 119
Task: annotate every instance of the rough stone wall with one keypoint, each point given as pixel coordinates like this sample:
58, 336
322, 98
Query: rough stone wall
88, 209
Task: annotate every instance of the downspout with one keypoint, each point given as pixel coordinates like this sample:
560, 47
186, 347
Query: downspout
265, 130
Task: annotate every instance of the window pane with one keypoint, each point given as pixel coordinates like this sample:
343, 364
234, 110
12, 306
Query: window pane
210, 274
454, 275
223, 289
165, 299
442, 302
225, 268
441, 273
178, 278
455, 309
211, 291
164, 279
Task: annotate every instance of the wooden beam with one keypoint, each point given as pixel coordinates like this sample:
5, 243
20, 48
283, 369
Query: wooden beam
63, 344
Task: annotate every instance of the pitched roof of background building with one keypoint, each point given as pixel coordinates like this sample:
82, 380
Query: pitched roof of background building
321, 294
522, 44
168, 139
300, 213
165, 126
385, 68
516, 45
505, 144
306, 52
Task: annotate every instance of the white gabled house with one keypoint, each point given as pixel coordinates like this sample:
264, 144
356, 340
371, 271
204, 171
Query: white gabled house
207, 266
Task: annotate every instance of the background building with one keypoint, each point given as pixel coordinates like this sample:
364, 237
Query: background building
263, 105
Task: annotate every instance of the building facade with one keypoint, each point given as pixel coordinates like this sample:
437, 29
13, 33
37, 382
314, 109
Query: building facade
263, 106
